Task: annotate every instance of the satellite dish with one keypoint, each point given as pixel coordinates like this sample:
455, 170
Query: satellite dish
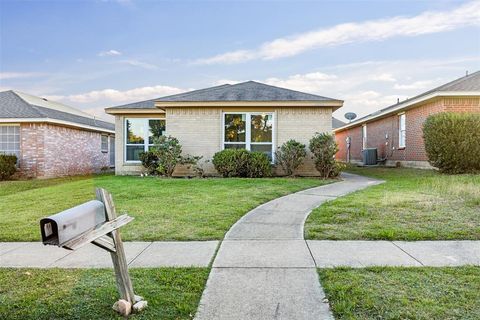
350, 116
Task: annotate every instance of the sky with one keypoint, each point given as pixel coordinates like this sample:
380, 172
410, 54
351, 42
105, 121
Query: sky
100, 53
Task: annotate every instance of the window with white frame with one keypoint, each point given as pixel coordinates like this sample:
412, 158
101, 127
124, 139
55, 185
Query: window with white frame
139, 136
10, 140
104, 144
249, 130
401, 131
364, 136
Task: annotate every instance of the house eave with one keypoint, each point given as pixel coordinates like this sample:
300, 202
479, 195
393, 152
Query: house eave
133, 110
57, 122
409, 104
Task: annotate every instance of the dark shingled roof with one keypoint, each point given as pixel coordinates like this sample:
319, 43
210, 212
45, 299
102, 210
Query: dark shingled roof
337, 123
13, 106
245, 91
468, 83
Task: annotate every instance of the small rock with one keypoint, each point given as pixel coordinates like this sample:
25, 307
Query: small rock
325, 300
139, 306
137, 298
123, 307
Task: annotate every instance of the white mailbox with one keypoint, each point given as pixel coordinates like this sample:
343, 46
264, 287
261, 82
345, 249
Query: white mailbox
71, 223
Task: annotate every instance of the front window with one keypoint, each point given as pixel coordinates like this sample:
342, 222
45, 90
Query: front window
10, 140
140, 135
251, 131
401, 131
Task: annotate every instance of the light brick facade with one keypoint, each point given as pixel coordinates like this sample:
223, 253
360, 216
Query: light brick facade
383, 133
199, 130
48, 150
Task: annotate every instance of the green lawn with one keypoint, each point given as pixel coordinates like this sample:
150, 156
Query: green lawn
411, 205
172, 293
403, 293
164, 209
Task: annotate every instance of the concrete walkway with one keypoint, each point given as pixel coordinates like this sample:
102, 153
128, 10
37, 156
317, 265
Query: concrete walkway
325, 253
139, 254
264, 268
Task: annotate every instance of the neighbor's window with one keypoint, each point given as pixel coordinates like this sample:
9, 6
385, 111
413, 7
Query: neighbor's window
401, 131
104, 143
140, 135
10, 140
251, 131
364, 136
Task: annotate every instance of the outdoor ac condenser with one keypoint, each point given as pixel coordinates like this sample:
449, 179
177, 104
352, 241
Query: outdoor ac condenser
369, 156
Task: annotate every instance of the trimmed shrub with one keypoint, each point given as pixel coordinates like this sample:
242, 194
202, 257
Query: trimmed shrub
324, 148
242, 163
231, 162
290, 156
149, 161
8, 166
452, 141
169, 153
258, 165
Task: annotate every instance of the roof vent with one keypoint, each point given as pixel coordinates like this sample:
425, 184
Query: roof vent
44, 99
398, 100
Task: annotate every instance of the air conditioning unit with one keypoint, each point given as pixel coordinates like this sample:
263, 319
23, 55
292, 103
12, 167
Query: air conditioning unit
369, 156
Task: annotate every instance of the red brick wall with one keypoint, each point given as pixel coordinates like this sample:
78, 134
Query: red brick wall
415, 117
471, 104
50, 151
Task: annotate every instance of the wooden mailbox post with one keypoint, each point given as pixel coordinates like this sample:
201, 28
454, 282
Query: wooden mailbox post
86, 223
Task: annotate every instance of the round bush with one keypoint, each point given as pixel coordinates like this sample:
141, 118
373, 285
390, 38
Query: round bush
258, 165
452, 141
290, 156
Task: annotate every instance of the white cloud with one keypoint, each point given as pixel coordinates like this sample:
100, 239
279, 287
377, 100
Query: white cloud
17, 75
110, 96
387, 77
137, 63
423, 84
372, 30
109, 53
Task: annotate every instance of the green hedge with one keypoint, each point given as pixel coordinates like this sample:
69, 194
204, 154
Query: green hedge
7, 166
242, 163
452, 141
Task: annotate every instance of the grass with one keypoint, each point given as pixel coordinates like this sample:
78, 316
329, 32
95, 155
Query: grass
89, 294
403, 293
411, 205
164, 209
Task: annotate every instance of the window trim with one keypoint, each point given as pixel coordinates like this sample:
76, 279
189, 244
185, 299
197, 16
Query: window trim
400, 115
101, 143
248, 129
146, 145
364, 136
19, 140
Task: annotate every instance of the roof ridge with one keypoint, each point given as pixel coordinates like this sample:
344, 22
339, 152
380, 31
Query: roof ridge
25, 102
281, 88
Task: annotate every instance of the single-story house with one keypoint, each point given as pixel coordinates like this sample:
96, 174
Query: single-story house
51, 139
250, 115
396, 131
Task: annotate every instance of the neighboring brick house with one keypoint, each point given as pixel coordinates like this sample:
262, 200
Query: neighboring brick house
396, 131
248, 115
51, 139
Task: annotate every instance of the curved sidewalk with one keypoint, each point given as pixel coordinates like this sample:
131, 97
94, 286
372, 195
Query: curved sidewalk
264, 268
